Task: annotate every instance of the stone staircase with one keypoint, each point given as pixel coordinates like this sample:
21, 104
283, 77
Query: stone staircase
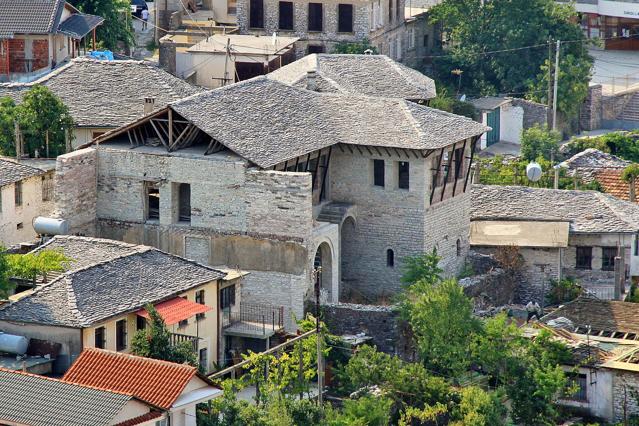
334, 212
631, 110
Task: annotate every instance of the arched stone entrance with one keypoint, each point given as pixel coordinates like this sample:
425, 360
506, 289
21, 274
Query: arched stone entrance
324, 261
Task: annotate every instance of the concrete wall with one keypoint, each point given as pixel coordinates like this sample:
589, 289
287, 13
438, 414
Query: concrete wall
16, 221
75, 190
511, 120
131, 410
327, 38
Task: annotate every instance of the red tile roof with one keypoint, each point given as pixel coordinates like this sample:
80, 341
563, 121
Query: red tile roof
175, 310
141, 419
157, 382
610, 180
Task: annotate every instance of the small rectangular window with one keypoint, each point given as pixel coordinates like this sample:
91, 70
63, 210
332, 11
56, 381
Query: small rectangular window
580, 383
345, 18
608, 255
140, 323
120, 335
47, 188
184, 200
199, 298
256, 14
314, 48
286, 15
584, 258
100, 338
18, 193
153, 201
231, 7
315, 17
204, 359
378, 173
227, 297
425, 40
390, 11
404, 175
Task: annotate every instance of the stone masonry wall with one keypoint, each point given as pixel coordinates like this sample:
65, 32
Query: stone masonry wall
625, 388
534, 113
327, 37
590, 114
75, 190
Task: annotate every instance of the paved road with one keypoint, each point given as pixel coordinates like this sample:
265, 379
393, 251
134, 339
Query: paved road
621, 65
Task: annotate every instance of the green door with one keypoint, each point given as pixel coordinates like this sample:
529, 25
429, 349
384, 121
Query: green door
492, 119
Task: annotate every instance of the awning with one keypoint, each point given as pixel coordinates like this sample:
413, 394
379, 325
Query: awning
519, 233
79, 25
176, 310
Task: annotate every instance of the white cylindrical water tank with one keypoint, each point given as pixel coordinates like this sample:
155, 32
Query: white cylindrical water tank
50, 226
533, 171
13, 344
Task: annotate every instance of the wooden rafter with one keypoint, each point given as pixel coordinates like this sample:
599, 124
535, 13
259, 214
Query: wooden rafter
470, 163
157, 132
459, 168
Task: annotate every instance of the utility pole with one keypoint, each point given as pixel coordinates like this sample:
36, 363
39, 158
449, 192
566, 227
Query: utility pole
226, 61
320, 379
554, 102
549, 95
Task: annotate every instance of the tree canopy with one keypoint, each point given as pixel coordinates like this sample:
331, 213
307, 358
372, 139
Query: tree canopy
116, 32
516, 32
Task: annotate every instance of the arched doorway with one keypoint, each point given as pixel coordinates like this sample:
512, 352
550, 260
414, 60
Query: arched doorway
324, 263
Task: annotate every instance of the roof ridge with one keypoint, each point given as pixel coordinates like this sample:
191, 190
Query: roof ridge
140, 357
400, 71
411, 118
621, 215
6, 160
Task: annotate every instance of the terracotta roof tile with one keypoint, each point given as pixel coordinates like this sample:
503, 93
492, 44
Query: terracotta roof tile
610, 180
175, 310
141, 419
157, 382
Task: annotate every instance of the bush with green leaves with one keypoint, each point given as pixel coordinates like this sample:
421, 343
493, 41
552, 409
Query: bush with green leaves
447, 103
564, 290
354, 48
622, 144
28, 267
539, 142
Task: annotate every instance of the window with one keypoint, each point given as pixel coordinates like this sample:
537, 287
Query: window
378, 173
204, 359
184, 202
636, 240
231, 7
163, 422
20, 225
184, 322
286, 15
390, 258
390, 11
47, 188
580, 382
315, 49
199, 298
315, 17
608, 255
152, 201
140, 323
584, 258
398, 10
345, 18
120, 335
404, 174
227, 297
256, 14
100, 338
18, 193
411, 38
459, 248
425, 40
457, 170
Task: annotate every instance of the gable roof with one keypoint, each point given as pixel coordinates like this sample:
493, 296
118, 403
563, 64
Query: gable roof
112, 92
41, 401
157, 382
593, 158
122, 279
609, 316
587, 211
268, 122
29, 16
11, 172
368, 75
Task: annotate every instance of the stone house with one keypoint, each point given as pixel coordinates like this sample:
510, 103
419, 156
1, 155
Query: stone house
99, 300
112, 93
26, 192
173, 389
36, 36
55, 402
319, 25
387, 30
605, 334
279, 180
422, 39
559, 233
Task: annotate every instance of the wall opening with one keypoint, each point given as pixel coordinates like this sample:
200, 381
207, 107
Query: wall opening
324, 262
390, 258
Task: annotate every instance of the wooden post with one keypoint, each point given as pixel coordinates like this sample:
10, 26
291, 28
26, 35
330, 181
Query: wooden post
170, 129
94, 39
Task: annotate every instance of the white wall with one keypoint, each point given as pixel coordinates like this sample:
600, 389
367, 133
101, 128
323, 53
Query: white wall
598, 393
484, 121
83, 135
511, 123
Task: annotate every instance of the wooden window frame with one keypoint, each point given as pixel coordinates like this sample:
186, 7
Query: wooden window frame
390, 258
255, 21
100, 344
314, 18
379, 173
200, 298
580, 258
121, 338
607, 261
17, 192
403, 176
289, 25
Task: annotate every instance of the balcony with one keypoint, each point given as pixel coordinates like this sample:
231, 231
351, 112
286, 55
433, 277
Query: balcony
177, 338
251, 320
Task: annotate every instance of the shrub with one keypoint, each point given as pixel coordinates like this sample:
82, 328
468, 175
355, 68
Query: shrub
539, 142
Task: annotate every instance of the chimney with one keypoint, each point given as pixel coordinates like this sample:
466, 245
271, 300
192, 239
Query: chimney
311, 80
149, 105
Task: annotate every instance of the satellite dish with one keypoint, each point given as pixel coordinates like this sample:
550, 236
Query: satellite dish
533, 171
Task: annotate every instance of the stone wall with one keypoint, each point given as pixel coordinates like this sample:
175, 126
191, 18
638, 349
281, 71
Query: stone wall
534, 113
625, 388
590, 114
327, 38
167, 53
75, 190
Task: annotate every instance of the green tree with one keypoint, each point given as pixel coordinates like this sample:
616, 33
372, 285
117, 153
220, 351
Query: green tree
364, 411
479, 408
6, 286
7, 126
422, 267
116, 33
539, 142
155, 342
449, 104
354, 48
476, 27
44, 121
30, 266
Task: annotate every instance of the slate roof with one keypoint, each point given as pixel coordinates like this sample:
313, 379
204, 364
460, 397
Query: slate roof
41, 401
268, 122
368, 75
78, 25
112, 92
601, 315
587, 211
593, 158
118, 282
11, 172
29, 16
488, 103
157, 382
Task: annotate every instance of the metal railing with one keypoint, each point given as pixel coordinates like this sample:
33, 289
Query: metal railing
254, 318
177, 338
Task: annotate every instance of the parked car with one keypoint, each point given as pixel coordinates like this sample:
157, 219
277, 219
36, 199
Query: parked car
137, 6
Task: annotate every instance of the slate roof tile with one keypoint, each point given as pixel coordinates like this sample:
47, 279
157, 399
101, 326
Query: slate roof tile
29, 16
11, 172
600, 315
